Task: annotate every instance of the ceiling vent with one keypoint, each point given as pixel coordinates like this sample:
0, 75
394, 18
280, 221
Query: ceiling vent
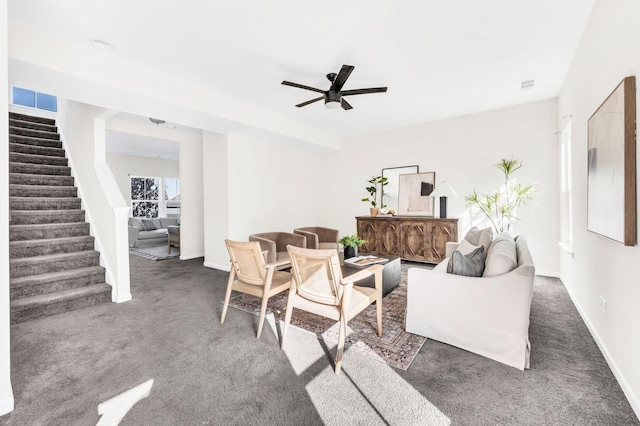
527, 84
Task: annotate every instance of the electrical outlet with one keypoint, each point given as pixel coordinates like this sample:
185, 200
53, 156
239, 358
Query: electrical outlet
603, 307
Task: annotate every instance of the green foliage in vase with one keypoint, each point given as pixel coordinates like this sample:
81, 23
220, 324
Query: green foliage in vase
372, 189
501, 206
351, 241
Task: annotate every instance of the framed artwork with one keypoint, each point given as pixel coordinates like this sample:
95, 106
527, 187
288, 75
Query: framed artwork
611, 168
414, 194
390, 190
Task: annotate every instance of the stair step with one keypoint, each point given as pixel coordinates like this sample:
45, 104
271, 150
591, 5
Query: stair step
20, 157
28, 140
34, 179
30, 308
21, 131
35, 149
41, 247
14, 122
24, 217
47, 231
57, 281
37, 265
39, 169
44, 203
31, 118
42, 191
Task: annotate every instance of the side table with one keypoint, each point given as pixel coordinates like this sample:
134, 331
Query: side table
390, 273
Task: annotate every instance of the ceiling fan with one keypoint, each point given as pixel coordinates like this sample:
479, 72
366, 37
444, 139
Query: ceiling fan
333, 98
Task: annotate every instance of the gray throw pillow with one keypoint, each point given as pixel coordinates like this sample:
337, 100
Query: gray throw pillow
149, 225
471, 265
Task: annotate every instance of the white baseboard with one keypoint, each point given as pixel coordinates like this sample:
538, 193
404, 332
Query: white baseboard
225, 268
6, 405
546, 273
191, 256
123, 298
633, 399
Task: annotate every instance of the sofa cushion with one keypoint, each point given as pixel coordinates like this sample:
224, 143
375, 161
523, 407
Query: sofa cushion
136, 223
156, 233
470, 265
149, 224
501, 257
479, 237
165, 222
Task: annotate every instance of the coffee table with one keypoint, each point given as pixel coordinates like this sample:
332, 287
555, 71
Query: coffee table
390, 273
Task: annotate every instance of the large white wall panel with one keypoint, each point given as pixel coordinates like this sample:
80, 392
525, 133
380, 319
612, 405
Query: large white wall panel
608, 52
191, 202
274, 186
216, 199
462, 151
6, 393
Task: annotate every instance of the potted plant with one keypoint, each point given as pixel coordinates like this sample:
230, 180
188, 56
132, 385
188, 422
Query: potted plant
501, 206
372, 189
351, 244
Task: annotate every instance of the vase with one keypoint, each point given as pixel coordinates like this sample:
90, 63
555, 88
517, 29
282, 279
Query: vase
374, 211
350, 252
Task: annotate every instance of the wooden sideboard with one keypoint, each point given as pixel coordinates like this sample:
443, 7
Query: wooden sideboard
415, 238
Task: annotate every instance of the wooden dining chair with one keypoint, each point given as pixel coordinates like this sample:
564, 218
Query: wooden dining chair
319, 287
250, 274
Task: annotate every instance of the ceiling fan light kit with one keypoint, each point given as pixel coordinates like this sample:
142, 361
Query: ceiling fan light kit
333, 98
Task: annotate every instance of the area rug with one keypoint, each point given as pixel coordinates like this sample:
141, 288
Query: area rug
395, 347
155, 252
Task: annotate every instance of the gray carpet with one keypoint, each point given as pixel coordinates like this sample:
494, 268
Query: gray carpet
208, 373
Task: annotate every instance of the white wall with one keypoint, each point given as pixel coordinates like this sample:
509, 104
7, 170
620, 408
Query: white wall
6, 393
82, 129
191, 200
608, 52
273, 186
461, 151
125, 166
216, 199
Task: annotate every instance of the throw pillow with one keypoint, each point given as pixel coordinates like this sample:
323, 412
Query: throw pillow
149, 225
502, 257
471, 265
134, 221
479, 237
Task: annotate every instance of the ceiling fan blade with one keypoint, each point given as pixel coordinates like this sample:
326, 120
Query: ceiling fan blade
302, 86
363, 91
345, 105
342, 77
310, 102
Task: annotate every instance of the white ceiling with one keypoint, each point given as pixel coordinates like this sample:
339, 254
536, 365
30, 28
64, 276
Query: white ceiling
439, 58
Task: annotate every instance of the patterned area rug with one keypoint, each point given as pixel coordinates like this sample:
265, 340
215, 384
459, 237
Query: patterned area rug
396, 347
155, 252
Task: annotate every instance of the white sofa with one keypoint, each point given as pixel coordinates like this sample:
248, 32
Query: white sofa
487, 315
145, 232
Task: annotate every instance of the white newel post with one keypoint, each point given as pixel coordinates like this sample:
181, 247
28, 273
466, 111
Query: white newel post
121, 291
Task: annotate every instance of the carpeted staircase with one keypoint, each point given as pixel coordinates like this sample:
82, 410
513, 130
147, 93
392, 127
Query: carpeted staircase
53, 265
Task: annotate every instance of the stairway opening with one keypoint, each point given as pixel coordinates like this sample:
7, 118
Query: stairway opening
53, 265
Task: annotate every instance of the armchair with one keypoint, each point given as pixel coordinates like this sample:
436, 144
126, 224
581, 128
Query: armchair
319, 287
275, 244
319, 237
251, 275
